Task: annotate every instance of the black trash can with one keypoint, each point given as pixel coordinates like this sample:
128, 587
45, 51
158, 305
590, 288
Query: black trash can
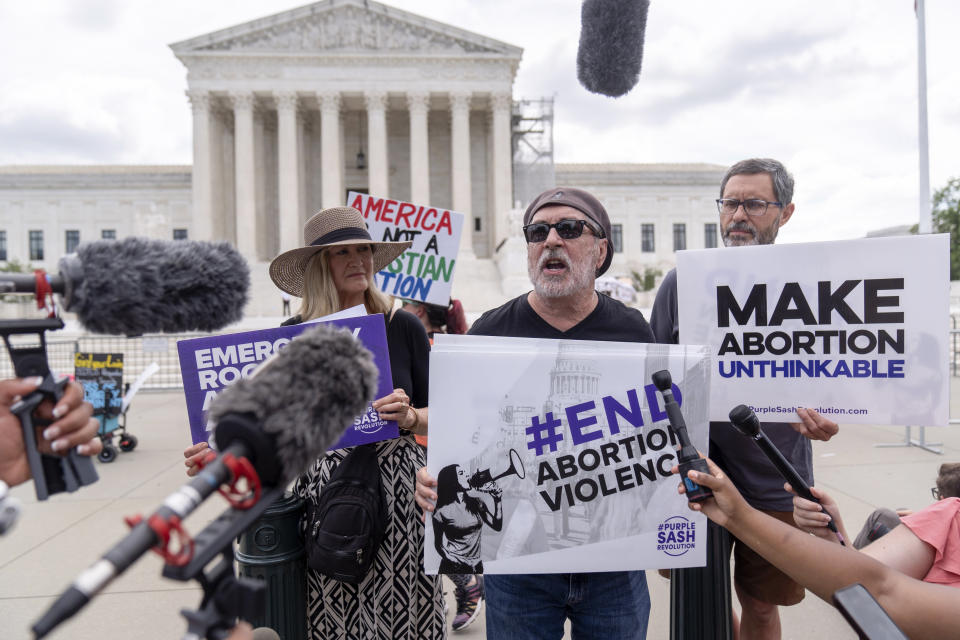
272, 550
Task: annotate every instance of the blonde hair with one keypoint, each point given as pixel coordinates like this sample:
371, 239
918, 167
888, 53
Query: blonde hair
320, 296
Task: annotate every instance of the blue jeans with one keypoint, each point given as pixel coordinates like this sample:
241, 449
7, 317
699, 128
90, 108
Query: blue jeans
601, 606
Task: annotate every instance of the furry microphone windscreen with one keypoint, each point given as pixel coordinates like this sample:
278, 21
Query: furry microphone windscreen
306, 396
611, 45
136, 285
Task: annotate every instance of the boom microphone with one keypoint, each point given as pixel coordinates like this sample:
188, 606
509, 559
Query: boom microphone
137, 285
281, 419
746, 422
611, 45
687, 456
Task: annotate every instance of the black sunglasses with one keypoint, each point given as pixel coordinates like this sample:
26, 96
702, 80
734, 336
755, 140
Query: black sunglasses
567, 229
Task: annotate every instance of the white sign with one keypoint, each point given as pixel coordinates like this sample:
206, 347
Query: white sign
856, 329
555, 456
423, 272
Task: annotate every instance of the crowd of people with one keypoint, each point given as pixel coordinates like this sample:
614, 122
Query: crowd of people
567, 230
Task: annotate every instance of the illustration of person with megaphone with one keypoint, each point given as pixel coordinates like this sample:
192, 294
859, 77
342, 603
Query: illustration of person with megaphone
464, 505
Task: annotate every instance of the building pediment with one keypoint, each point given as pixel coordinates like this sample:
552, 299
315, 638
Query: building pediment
345, 26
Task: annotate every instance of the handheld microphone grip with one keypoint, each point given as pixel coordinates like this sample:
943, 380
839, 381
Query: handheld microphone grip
687, 457
51, 474
746, 422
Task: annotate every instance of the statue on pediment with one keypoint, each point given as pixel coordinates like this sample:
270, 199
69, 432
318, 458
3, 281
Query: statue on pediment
348, 29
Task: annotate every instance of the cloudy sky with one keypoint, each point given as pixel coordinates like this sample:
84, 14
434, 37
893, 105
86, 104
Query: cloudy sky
829, 88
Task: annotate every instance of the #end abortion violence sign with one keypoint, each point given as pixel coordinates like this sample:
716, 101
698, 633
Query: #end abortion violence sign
423, 272
555, 456
209, 364
857, 329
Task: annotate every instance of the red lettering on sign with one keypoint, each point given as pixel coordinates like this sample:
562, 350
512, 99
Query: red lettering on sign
429, 213
389, 207
404, 212
373, 204
445, 223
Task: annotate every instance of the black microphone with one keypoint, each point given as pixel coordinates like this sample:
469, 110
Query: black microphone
746, 422
611, 45
281, 420
687, 458
136, 285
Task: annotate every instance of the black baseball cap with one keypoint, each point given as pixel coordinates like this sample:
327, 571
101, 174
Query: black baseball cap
581, 201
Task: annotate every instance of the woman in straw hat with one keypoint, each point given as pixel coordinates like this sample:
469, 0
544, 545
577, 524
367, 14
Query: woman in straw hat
396, 599
334, 271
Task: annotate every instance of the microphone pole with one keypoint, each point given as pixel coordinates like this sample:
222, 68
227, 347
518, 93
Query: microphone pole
699, 596
157, 531
746, 422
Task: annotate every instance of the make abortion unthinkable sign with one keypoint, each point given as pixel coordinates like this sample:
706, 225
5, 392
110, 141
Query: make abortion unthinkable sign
555, 456
423, 272
857, 329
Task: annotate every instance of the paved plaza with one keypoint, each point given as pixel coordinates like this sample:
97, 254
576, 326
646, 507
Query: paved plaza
53, 541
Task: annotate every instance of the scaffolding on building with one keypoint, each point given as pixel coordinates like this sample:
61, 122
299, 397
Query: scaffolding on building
532, 145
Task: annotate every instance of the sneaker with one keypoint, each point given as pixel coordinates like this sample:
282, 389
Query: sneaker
469, 603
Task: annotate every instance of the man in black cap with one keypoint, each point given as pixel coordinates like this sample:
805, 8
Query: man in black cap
567, 232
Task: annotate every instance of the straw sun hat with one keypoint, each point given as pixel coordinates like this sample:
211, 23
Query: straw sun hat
329, 228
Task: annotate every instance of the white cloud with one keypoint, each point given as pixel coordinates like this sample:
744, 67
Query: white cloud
830, 89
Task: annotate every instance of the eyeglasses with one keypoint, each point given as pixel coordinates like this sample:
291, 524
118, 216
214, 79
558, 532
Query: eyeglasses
935, 492
753, 207
567, 229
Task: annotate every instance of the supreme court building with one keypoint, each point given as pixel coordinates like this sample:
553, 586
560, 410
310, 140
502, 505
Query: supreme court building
292, 111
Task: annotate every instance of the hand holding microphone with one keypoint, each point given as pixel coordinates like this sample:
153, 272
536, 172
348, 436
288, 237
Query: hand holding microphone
746, 422
688, 458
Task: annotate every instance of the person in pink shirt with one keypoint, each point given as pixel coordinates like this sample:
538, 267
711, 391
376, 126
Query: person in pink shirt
926, 544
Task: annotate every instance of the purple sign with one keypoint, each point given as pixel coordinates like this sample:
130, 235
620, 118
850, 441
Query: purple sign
210, 364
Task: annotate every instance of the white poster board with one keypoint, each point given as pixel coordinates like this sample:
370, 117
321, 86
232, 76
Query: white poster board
857, 329
423, 272
574, 435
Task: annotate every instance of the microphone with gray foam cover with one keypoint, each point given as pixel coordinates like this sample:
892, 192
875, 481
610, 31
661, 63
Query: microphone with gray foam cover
611, 45
295, 406
138, 285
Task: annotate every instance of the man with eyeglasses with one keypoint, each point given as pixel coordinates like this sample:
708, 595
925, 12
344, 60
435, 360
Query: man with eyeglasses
567, 232
756, 199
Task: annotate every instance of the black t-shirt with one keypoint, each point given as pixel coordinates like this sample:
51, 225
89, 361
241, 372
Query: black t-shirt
753, 473
610, 321
409, 351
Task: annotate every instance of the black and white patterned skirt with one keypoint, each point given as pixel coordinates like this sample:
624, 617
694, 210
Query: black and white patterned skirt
396, 600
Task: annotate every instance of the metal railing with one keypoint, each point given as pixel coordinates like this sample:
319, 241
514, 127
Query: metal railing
138, 354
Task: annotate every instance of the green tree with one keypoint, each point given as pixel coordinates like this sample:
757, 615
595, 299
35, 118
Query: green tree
647, 281
946, 219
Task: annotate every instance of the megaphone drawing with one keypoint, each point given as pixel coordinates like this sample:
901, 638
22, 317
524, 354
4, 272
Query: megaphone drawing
483, 476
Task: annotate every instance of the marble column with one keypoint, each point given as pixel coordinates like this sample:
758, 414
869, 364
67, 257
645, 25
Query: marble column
288, 171
419, 105
502, 161
460, 167
245, 174
202, 181
377, 162
331, 165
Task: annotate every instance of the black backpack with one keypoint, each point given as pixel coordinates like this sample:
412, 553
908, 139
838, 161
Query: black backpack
349, 520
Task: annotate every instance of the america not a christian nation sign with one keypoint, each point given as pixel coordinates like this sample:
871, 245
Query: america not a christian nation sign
555, 456
209, 364
857, 329
424, 271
